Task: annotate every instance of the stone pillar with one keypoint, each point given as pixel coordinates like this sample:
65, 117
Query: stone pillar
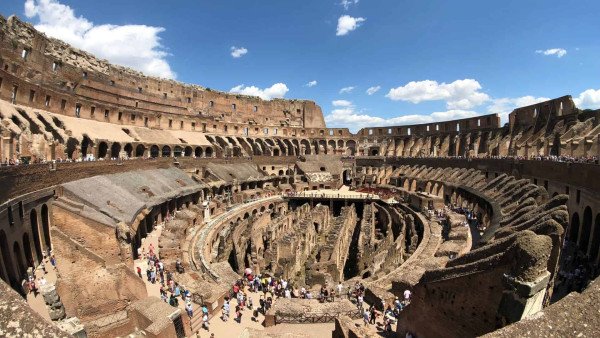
56, 309
522, 299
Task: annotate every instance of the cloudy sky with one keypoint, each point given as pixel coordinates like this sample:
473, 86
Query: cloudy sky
365, 62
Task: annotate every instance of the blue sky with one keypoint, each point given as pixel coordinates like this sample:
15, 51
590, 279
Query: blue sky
431, 60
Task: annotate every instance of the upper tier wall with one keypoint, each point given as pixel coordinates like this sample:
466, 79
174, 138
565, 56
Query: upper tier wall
483, 122
68, 77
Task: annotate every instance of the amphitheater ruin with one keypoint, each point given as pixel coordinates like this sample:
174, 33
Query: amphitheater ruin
493, 230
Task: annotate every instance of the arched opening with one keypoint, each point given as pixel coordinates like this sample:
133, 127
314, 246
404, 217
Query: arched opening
586, 230
46, 226
275, 152
28, 253
347, 177
102, 149
595, 246
139, 150
178, 151
306, 147
166, 151
35, 232
7, 261
115, 149
209, 152
574, 228
154, 151
188, 151
280, 173
71, 147
21, 269
128, 150
85, 144
198, 152
374, 152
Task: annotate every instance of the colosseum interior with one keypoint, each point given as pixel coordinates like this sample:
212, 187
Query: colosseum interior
490, 239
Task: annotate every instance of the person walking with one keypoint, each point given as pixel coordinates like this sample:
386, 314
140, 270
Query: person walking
189, 309
366, 317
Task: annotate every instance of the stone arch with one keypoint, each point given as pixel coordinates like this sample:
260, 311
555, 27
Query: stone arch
115, 148
46, 226
31, 262
198, 152
72, 144
177, 151
246, 215
574, 228
128, 150
281, 172
35, 232
166, 151
209, 152
188, 151
86, 143
306, 145
276, 152
290, 146
12, 277
21, 267
586, 229
154, 151
351, 147
595, 244
139, 150
332, 145
102, 149
340, 144
347, 177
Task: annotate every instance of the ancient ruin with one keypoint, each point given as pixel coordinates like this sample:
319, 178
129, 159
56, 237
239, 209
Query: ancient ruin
486, 229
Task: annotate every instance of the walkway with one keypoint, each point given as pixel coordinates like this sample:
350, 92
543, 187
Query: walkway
36, 302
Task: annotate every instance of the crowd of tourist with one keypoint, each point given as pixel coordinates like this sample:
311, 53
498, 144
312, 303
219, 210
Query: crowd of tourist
33, 281
576, 270
91, 158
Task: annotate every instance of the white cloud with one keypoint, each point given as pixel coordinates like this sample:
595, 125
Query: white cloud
346, 90
588, 99
460, 94
276, 91
559, 52
341, 103
238, 52
356, 119
135, 46
347, 3
311, 83
373, 90
347, 24
503, 106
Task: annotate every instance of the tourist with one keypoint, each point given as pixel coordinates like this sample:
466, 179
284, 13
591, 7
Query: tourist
139, 271
53, 261
407, 295
238, 314
205, 323
366, 317
189, 310
225, 314
372, 314
359, 301
340, 288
